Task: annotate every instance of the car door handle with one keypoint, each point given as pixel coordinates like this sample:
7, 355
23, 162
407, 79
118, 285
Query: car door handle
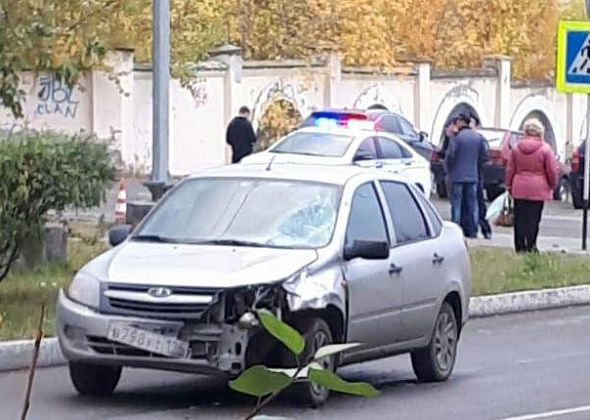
394, 269
437, 259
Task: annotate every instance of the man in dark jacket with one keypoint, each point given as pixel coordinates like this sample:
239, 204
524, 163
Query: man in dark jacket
484, 225
240, 135
465, 155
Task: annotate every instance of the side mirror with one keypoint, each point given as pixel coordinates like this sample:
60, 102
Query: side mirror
360, 157
118, 234
369, 250
423, 135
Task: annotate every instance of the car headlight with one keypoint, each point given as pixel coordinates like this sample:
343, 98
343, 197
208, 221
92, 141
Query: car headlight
85, 289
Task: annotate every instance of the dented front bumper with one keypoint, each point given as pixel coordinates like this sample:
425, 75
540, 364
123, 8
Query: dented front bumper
216, 349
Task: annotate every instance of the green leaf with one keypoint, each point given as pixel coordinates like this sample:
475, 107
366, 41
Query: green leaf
330, 380
282, 332
332, 349
259, 381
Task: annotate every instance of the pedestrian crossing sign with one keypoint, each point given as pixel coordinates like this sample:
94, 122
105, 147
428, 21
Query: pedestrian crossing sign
573, 57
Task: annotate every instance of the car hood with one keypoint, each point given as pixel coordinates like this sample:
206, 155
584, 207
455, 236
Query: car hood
197, 265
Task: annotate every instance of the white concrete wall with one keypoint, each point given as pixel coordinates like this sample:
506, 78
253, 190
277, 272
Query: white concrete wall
123, 111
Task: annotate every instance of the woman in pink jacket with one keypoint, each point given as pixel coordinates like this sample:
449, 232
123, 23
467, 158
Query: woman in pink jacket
531, 176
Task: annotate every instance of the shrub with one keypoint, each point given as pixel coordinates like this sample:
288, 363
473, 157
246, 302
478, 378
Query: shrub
42, 171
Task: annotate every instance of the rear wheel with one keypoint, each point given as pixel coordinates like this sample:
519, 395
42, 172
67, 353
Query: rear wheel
577, 200
94, 380
436, 362
493, 192
316, 334
441, 190
562, 191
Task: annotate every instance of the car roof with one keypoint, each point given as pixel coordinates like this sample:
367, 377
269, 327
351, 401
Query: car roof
498, 129
329, 174
357, 133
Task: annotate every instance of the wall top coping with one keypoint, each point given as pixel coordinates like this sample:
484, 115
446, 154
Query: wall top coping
211, 65
457, 74
286, 64
396, 71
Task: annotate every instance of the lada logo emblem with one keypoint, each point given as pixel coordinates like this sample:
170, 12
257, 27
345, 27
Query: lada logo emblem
159, 292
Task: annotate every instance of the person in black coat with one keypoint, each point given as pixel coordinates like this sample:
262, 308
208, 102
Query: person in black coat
484, 225
240, 135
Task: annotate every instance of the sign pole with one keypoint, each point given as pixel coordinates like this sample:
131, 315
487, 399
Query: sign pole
159, 179
586, 177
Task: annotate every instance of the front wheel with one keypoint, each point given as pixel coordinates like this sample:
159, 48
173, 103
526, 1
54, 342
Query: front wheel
94, 380
316, 334
435, 362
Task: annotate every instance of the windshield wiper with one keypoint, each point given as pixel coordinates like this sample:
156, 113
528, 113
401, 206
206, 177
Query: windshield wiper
154, 238
232, 242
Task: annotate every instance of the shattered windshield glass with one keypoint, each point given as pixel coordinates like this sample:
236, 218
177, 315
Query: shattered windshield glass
247, 212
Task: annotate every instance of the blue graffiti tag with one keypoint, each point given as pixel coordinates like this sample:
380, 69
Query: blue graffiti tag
55, 98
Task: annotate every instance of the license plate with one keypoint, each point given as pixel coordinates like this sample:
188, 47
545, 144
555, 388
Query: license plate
148, 341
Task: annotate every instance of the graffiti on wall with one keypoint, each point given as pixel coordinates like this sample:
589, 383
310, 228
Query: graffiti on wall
373, 95
55, 98
199, 94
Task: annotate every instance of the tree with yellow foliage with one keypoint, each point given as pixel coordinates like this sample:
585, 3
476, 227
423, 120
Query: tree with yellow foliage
69, 36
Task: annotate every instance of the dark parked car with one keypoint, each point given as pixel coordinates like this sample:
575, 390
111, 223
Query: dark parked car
383, 120
576, 179
500, 143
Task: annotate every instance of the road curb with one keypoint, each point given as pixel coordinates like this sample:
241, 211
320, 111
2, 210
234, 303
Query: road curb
15, 355
530, 300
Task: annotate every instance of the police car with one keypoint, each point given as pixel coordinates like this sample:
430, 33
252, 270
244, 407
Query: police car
337, 141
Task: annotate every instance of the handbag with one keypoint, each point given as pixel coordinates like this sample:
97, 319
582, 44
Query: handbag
506, 217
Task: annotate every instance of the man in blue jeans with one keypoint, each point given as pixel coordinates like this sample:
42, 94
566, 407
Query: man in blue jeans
466, 154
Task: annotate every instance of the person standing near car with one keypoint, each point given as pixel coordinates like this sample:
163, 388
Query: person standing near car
450, 133
531, 176
484, 225
240, 135
465, 155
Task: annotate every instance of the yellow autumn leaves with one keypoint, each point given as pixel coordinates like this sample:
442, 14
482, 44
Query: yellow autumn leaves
454, 34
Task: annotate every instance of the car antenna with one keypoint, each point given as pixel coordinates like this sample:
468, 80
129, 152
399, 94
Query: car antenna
272, 159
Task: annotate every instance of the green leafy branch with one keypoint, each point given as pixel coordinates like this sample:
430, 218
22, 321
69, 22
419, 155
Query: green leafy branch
266, 384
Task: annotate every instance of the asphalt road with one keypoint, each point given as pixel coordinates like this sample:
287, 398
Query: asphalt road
518, 367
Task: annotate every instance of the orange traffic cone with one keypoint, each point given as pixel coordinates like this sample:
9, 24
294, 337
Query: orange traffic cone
121, 205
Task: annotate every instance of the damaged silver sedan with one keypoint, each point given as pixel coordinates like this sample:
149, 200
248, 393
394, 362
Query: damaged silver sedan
342, 254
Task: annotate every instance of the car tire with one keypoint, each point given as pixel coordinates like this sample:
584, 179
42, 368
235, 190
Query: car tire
577, 199
441, 190
316, 333
94, 380
493, 192
562, 192
435, 363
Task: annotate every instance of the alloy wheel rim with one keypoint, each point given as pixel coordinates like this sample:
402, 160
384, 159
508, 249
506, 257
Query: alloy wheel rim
320, 339
445, 342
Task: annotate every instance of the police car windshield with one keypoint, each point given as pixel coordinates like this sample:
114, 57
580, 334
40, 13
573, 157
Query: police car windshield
314, 144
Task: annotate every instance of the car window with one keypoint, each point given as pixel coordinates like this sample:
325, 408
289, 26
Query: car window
431, 214
314, 144
367, 149
407, 127
391, 150
390, 124
408, 220
366, 217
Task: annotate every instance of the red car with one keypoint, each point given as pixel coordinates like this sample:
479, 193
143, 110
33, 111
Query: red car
500, 142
